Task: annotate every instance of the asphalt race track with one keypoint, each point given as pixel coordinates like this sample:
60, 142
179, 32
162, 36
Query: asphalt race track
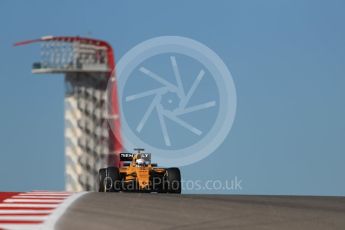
168, 211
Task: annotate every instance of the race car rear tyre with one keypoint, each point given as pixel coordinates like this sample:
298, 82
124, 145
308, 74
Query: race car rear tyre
109, 180
173, 180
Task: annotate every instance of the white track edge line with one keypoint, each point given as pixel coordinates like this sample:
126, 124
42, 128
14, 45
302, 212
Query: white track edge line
39, 197
31, 201
16, 205
19, 226
25, 211
44, 194
22, 218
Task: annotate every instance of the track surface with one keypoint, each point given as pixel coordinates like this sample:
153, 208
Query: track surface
161, 211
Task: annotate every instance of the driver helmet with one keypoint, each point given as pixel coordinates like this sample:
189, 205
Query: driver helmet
140, 162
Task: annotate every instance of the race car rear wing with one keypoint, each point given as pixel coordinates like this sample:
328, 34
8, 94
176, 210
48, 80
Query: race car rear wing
126, 156
129, 157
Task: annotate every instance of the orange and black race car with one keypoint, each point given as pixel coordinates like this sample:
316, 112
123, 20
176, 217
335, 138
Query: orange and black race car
138, 174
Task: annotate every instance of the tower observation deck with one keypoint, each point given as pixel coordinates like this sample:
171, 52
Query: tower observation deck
90, 143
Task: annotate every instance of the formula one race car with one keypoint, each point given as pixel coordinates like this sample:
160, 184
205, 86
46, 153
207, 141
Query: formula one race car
138, 174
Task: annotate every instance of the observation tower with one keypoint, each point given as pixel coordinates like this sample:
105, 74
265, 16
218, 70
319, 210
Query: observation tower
90, 143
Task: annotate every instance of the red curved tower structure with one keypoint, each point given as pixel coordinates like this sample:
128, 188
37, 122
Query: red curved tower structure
92, 129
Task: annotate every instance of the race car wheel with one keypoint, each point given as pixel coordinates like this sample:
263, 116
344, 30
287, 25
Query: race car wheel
109, 179
173, 180
101, 177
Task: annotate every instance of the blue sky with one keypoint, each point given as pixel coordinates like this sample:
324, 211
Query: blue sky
287, 59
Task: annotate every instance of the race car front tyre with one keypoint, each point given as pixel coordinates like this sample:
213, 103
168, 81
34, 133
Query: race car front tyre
109, 179
101, 177
173, 180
